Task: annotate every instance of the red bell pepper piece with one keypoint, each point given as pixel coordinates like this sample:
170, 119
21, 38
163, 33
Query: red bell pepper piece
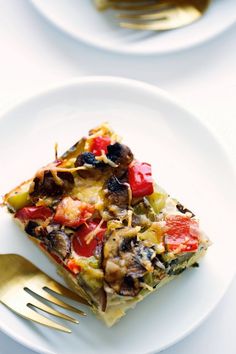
140, 179
182, 234
33, 213
100, 143
80, 244
72, 212
73, 266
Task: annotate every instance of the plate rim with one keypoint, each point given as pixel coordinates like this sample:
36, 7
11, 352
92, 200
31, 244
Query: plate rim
156, 91
121, 50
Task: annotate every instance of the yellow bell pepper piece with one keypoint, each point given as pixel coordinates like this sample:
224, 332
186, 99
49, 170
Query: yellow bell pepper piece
18, 200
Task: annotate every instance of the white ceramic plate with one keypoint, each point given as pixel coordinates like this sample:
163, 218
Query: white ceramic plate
80, 19
187, 160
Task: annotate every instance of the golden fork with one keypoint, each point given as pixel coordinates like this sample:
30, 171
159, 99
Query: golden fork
158, 15
23, 287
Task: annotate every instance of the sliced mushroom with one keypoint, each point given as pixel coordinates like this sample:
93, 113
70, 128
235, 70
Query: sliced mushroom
129, 287
94, 167
126, 261
117, 192
121, 155
157, 263
47, 187
127, 244
58, 242
144, 253
31, 229
67, 179
89, 159
136, 270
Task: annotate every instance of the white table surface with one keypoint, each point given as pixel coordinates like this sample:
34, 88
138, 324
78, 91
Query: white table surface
34, 55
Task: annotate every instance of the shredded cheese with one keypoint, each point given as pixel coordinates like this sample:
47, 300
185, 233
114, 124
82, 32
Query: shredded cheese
56, 151
129, 193
57, 179
54, 169
102, 130
130, 213
105, 159
90, 236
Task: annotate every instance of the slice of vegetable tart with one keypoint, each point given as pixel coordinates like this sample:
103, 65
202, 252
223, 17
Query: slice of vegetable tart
115, 234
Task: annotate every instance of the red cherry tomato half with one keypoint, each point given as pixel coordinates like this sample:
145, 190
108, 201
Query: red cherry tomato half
140, 179
33, 213
72, 212
81, 247
100, 143
182, 234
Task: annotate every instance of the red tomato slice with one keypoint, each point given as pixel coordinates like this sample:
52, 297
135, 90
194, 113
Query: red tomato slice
72, 212
140, 179
81, 247
182, 234
33, 213
100, 143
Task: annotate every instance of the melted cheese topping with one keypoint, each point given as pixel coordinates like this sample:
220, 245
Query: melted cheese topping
93, 233
88, 190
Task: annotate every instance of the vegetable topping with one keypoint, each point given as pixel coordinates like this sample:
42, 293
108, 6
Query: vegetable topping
73, 266
33, 213
120, 154
83, 244
140, 179
99, 144
182, 234
98, 213
117, 192
86, 158
72, 212
51, 185
59, 242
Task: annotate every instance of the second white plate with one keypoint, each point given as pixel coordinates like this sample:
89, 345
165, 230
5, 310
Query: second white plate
80, 19
187, 161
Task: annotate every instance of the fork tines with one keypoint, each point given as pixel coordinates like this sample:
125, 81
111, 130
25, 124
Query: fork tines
158, 15
26, 290
135, 5
31, 299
